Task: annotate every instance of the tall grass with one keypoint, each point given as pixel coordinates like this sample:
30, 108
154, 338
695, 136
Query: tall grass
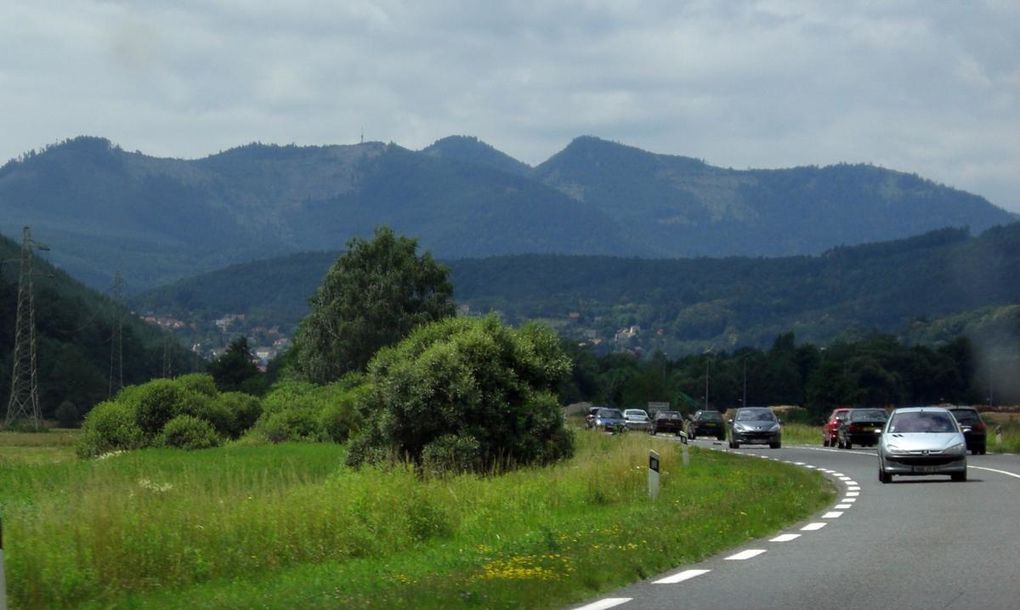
1003, 432
279, 526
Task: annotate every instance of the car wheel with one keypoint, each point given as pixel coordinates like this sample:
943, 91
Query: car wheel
775, 445
983, 450
825, 442
848, 444
884, 476
959, 477
734, 445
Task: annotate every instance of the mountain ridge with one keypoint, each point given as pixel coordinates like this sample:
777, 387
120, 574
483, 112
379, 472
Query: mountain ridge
98, 205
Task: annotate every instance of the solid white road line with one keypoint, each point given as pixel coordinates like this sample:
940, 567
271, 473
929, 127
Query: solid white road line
813, 527
1008, 474
743, 555
785, 538
680, 577
603, 604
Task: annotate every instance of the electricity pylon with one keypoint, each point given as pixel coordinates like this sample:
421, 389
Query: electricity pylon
117, 339
24, 401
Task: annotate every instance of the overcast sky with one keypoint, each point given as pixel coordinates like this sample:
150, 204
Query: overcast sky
928, 87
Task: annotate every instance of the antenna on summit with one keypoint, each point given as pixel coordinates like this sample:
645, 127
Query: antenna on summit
362, 135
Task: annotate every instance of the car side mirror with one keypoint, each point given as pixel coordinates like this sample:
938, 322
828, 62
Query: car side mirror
729, 421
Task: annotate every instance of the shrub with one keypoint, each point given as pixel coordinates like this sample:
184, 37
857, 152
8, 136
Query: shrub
109, 426
245, 410
468, 378
202, 383
188, 432
451, 454
289, 425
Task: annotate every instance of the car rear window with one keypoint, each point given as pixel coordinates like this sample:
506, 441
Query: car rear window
610, 413
711, 416
867, 415
965, 416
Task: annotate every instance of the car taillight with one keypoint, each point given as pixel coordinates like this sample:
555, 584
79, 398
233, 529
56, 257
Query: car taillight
980, 426
855, 428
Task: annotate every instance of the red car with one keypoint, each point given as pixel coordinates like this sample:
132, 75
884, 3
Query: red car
831, 427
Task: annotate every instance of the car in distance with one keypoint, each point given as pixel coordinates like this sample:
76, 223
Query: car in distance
831, 428
920, 441
755, 426
637, 419
610, 420
706, 423
975, 431
861, 427
667, 421
589, 417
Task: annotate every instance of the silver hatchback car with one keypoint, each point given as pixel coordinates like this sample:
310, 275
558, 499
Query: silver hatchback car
922, 441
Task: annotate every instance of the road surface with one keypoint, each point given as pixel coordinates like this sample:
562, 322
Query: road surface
916, 543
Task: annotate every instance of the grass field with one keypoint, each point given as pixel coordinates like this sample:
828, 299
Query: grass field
288, 525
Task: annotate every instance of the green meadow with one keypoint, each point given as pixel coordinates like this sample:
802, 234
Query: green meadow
288, 525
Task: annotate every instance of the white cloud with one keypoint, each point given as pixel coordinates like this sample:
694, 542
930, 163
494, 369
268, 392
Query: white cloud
924, 87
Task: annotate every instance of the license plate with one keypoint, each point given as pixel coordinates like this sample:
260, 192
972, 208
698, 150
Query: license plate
926, 468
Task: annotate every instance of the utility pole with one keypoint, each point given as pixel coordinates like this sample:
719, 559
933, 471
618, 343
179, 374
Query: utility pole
117, 339
168, 369
24, 400
743, 401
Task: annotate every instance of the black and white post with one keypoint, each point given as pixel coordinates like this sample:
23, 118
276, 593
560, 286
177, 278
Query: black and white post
653, 474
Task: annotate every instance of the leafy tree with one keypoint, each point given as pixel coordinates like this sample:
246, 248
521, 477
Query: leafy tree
372, 296
235, 370
465, 391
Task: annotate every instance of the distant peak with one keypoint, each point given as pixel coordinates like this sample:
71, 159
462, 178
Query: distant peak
469, 149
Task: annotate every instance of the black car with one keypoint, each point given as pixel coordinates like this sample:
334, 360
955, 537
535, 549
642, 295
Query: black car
667, 421
861, 427
755, 426
975, 431
706, 423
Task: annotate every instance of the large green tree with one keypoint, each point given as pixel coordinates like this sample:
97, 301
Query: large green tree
373, 296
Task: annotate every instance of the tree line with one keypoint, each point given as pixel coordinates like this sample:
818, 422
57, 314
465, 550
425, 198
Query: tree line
878, 370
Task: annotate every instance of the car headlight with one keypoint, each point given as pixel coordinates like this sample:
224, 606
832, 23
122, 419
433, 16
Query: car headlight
957, 448
774, 428
740, 427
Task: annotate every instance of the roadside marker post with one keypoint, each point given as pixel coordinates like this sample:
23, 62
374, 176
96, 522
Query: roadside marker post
653, 474
3, 582
683, 450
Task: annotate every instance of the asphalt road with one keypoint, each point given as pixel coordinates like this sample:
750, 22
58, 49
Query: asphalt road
918, 542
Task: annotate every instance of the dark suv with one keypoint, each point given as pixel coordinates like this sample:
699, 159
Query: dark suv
755, 426
706, 423
974, 429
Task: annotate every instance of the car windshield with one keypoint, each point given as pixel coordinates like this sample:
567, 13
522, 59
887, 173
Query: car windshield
965, 416
668, 415
867, 415
755, 415
921, 422
610, 413
636, 414
711, 416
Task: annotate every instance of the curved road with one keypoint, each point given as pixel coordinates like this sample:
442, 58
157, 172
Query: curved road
918, 542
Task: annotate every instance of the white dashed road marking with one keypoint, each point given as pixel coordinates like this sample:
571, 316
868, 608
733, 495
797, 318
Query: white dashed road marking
833, 514
682, 576
744, 555
813, 527
785, 538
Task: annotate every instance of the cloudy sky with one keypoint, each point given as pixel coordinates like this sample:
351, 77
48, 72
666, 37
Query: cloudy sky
931, 87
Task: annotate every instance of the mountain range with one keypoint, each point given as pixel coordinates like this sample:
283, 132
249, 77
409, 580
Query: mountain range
929, 288
105, 210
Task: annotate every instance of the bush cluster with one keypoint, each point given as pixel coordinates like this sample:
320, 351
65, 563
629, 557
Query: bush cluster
189, 412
